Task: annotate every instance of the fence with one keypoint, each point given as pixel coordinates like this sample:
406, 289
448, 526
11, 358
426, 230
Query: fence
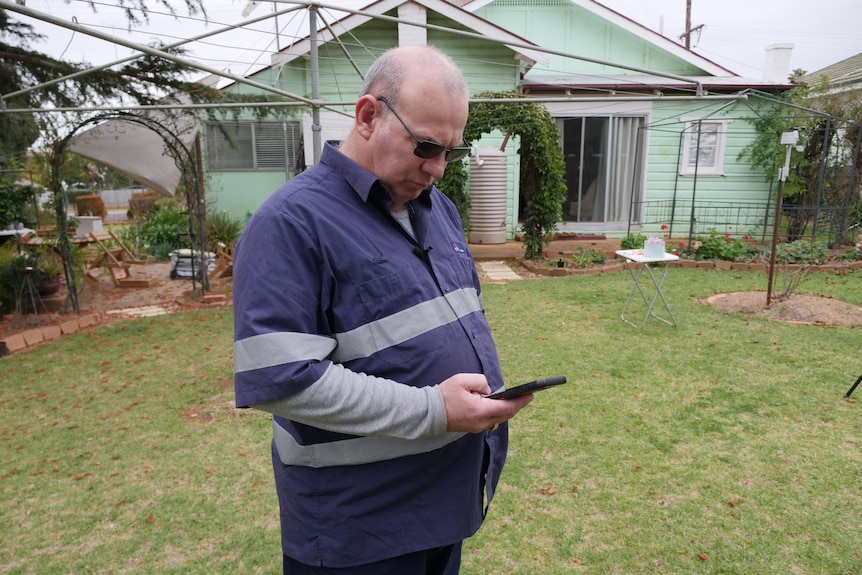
685, 218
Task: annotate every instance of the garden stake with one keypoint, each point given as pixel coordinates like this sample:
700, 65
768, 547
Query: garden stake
849, 391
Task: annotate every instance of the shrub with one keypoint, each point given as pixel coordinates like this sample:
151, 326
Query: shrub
453, 184
9, 280
49, 264
802, 252
719, 246
585, 258
852, 255
15, 204
854, 215
220, 228
143, 203
158, 233
90, 206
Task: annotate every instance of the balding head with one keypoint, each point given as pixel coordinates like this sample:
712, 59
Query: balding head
418, 68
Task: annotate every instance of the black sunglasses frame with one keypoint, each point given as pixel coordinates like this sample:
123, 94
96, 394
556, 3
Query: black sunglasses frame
427, 149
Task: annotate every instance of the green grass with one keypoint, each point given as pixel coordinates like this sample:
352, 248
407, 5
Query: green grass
720, 446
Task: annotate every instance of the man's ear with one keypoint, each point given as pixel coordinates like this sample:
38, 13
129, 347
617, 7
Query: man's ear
367, 115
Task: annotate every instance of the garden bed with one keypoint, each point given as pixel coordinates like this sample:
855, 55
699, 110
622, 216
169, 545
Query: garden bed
550, 267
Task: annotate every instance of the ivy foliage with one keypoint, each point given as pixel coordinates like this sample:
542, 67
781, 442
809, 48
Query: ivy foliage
829, 135
454, 185
15, 203
542, 178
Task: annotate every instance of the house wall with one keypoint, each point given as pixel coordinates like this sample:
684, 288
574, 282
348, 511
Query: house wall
739, 183
242, 192
341, 82
563, 26
558, 24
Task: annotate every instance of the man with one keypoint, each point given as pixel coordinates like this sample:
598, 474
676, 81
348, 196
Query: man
360, 327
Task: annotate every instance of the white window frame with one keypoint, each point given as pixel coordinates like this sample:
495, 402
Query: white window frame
713, 140
253, 145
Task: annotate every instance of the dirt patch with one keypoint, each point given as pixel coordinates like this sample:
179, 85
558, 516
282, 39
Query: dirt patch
102, 295
812, 309
110, 303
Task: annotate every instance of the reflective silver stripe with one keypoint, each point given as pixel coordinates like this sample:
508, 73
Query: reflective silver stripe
269, 349
399, 327
356, 451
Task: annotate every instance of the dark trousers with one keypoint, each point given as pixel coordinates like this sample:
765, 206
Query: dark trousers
439, 561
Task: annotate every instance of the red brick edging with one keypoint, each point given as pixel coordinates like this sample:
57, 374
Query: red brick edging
38, 334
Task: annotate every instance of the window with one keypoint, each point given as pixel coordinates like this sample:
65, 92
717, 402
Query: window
703, 148
253, 145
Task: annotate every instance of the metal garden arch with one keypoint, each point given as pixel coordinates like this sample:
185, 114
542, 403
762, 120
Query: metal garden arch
195, 205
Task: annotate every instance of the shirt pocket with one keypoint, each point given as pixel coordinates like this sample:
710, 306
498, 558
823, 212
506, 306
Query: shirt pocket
400, 318
463, 269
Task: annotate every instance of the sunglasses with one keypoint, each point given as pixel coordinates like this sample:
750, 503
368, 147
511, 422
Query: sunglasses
426, 149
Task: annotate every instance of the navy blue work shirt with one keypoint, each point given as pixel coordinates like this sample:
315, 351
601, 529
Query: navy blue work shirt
324, 274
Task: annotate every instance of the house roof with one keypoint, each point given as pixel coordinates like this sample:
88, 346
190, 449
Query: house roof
839, 75
443, 7
640, 31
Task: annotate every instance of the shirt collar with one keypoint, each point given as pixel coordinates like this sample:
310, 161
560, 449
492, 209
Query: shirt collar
361, 180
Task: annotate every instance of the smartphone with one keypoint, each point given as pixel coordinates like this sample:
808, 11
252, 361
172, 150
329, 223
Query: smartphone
530, 387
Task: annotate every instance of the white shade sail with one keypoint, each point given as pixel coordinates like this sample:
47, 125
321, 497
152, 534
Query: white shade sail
138, 151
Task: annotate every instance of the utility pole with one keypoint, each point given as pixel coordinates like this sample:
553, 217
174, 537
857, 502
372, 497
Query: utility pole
686, 36
688, 24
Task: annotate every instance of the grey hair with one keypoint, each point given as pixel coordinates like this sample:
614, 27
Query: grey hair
386, 75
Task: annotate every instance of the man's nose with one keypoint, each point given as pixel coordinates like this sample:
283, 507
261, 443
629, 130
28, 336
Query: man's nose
435, 166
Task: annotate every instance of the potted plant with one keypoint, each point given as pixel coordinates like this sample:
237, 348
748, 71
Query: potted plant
49, 272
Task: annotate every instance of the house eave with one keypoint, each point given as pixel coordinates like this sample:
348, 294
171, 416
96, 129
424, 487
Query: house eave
302, 48
645, 85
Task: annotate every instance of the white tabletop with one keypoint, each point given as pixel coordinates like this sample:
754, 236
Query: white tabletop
637, 256
18, 232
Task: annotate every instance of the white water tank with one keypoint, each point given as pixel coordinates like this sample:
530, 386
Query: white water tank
488, 196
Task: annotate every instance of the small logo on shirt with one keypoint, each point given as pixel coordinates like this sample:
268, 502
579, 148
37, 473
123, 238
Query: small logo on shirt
457, 247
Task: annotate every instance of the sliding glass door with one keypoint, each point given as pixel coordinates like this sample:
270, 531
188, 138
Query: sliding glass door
603, 160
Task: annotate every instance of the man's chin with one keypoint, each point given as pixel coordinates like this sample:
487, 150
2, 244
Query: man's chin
404, 195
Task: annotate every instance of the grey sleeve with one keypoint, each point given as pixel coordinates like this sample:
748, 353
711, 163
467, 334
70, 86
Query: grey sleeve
348, 402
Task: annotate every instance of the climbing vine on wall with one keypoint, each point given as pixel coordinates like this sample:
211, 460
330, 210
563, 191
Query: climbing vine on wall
542, 180
453, 184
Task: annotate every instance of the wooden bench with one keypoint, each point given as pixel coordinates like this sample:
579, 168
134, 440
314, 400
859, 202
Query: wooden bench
117, 258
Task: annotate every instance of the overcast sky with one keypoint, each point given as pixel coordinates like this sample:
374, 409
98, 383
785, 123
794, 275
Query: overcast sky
734, 33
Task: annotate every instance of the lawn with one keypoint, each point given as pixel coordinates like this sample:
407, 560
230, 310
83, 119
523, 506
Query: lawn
723, 445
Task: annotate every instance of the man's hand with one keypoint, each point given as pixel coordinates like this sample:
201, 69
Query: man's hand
468, 410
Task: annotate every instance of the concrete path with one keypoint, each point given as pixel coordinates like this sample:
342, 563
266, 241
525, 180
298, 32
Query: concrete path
498, 271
